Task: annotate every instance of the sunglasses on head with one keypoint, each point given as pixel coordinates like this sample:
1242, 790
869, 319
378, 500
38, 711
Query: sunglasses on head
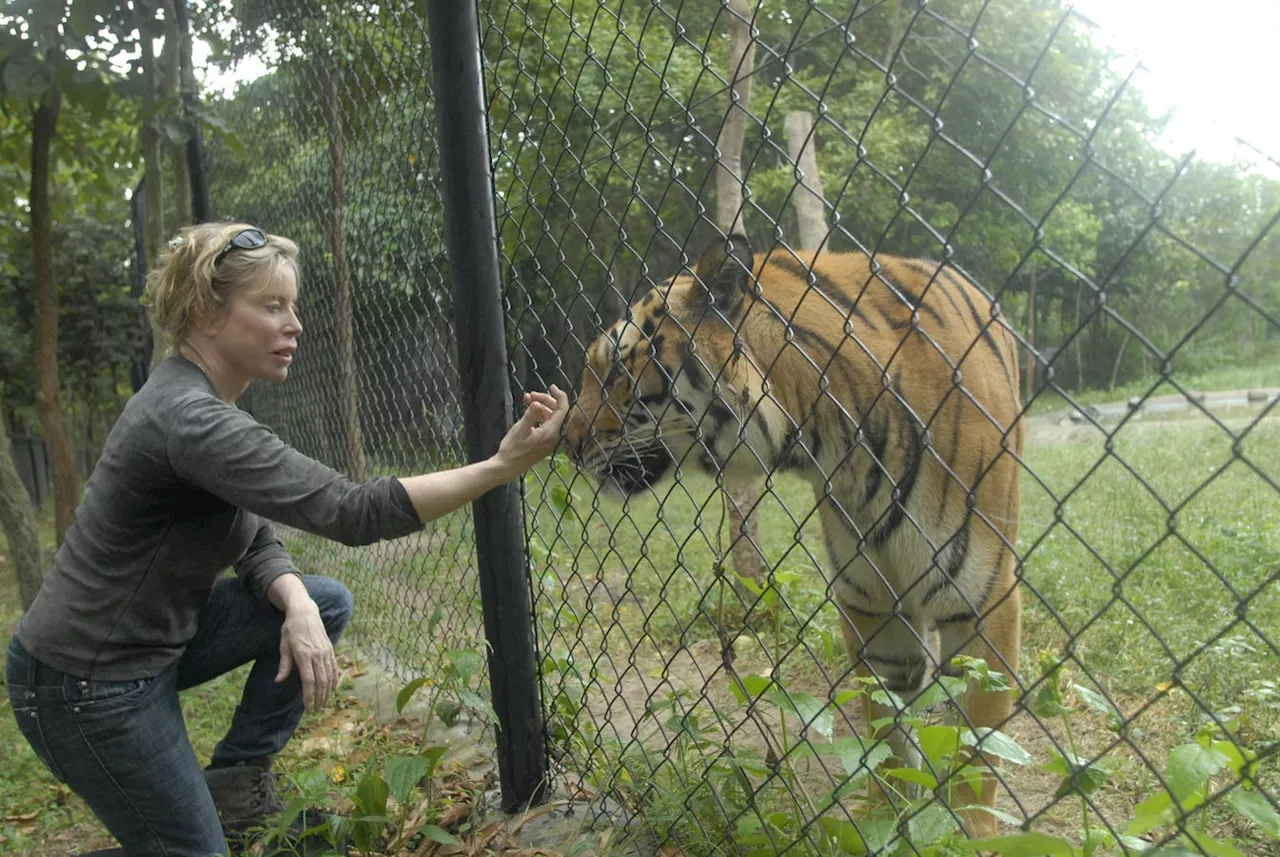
245, 239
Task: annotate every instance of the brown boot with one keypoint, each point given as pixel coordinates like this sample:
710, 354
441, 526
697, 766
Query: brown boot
245, 795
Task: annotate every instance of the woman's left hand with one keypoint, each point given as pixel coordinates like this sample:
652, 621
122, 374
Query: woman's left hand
305, 645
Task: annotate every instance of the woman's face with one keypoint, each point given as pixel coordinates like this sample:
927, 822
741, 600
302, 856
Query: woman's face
259, 328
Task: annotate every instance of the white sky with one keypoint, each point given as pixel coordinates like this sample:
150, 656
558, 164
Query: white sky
1212, 61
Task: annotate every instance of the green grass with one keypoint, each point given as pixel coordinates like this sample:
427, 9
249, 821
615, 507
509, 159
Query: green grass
1264, 373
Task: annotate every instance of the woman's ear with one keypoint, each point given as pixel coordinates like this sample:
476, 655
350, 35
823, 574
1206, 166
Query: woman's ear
208, 323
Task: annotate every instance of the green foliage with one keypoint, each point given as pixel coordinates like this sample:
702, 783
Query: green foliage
100, 323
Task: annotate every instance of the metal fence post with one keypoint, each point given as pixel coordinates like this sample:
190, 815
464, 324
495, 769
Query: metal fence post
467, 187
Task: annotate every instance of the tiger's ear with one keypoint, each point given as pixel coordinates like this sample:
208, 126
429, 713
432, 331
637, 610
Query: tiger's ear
725, 268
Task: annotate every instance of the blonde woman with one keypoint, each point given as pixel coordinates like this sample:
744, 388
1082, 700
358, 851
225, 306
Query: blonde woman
133, 610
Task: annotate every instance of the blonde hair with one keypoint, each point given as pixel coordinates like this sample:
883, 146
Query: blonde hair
185, 284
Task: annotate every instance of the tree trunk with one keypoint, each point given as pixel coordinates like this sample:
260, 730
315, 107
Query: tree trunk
177, 152
729, 178
1028, 382
201, 209
153, 160
66, 485
19, 523
1115, 367
895, 32
811, 212
1079, 338
344, 323
743, 528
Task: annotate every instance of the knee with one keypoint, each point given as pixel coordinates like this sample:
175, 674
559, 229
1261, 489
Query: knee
334, 600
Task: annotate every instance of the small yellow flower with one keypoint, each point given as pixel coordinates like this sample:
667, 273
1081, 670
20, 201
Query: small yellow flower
338, 774
1163, 686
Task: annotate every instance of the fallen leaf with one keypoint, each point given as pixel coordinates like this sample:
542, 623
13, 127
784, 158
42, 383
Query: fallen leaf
454, 814
24, 816
671, 851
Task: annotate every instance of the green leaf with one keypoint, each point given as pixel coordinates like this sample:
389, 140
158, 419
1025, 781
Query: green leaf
371, 795
932, 824
406, 692
478, 704
1189, 768
464, 663
811, 710
439, 834
914, 775
1100, 705
996, 743
1020, 845
1078, 775
939, 743
1209, 845
859, 758
1255, 807
405, 772
846, 835
752, 685
1151, 813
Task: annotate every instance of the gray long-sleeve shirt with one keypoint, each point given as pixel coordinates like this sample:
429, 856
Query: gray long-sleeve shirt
187, 486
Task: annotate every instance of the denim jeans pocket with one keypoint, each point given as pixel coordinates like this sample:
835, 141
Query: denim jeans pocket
104, 697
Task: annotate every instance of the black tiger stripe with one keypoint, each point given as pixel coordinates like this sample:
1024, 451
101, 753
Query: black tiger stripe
909, 441
721, 414
984, 326
830, 287
923, 268
877, 440
893, 323
826, 356
914, 299
952, 457
957, 551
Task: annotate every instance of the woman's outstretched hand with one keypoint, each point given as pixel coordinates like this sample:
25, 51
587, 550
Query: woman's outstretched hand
530, 440
536, 433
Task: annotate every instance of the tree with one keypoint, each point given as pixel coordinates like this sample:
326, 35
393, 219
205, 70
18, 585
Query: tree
56, 67
18, 521
33, 68
742, 499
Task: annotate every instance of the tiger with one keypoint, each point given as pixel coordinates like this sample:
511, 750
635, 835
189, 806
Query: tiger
891, 384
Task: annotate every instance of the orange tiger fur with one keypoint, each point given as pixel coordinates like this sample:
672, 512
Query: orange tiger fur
893, 388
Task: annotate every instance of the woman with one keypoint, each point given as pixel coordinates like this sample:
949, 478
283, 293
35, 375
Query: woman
187, 485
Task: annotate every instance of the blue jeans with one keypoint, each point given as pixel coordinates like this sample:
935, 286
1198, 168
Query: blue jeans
123, 746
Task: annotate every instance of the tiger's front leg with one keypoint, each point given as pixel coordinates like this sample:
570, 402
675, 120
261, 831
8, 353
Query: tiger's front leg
997, 641
892, 649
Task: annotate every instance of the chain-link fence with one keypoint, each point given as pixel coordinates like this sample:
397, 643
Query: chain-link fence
943, 397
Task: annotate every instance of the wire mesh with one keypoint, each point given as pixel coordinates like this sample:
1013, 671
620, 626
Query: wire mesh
334, 148
697, 684
695, 675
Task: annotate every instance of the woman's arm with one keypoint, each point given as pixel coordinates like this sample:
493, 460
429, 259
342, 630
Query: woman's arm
529, 441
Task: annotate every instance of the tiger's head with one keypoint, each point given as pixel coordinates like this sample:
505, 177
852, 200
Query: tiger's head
656, 388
